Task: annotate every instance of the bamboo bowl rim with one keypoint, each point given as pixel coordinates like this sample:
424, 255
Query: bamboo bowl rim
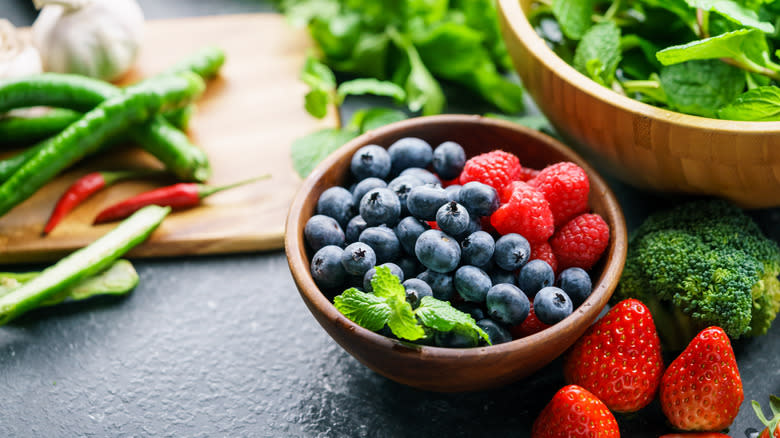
522, 30
613, 258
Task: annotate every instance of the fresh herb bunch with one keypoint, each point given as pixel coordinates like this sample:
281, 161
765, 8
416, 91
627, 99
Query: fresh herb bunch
404, 48
711, 58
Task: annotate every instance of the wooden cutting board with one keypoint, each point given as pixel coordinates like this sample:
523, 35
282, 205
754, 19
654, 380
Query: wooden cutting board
245, 121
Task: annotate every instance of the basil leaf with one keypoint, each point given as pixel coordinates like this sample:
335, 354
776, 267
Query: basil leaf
310, 150
598, 54
701, 87
574, 16
759, 104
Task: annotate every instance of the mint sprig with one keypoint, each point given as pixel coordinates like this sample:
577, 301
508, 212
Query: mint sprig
388, 305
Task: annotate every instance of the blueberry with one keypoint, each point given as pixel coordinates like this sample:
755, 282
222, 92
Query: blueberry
380, 206
449, 159
507, 304
426, 176
534, 276
472, 309
402, 186
369, 275
480, 199
365, 186
370, 161
326, 267
416, 289
408, 230
552, 305
437, 251
576, 283
454, 339
409, 152
477, 249
472, 283
409, 265
452, 218
474, 225
337, 203
453, 192
499, 276
424, 201
358, 258
383, 241
321, 230
441, 284
355, 226
496, 333
512, 251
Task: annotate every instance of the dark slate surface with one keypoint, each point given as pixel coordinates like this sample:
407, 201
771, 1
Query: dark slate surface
223, 346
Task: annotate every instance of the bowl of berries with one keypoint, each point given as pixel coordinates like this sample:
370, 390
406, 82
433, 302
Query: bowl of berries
455, 253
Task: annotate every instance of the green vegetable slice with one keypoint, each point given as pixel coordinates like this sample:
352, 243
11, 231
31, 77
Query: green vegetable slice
83, 263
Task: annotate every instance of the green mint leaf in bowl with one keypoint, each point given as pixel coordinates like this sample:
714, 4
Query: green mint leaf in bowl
440, 315
759, 104
701, 87
365, 309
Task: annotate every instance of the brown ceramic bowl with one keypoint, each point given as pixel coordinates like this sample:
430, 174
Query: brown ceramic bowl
644, 145
446, 369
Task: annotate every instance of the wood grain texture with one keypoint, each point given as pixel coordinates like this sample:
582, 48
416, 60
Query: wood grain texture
449, 369
645, 146
246, 121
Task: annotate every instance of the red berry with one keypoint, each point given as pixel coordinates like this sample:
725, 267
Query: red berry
543, 251
496, 169
702, 390
580, 242
528, 174
528, 327
618, 358
574, 412
696, 435
565, 186
525, 212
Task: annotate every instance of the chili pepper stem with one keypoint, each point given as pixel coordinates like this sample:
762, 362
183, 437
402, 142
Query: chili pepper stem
204, 191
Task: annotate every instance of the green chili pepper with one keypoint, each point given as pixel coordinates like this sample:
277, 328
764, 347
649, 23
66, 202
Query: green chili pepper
205, 63
116, 114
82, 264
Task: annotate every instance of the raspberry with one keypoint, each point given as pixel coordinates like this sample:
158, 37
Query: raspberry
528, 327
526, 212
496, 169
543, 251
581, 241
565, 186
527, 174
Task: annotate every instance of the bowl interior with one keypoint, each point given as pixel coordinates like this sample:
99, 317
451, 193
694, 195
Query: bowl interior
476, 135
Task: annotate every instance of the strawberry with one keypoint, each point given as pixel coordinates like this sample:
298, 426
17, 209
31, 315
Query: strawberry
574, 412
702, 389
618, 358
774, 423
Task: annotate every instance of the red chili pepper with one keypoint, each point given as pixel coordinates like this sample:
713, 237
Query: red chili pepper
178, 196
85, 187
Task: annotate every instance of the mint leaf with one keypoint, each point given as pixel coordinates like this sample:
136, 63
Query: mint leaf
316, 103
385, 284
734, 12
701, 87
422, 90
317, 75
538, 123
728, 45
364, 309
574, 16
402, 321
372, 118
440, 315
308, 151
370, 86
598, 54
368, 57
451, 50
760, 104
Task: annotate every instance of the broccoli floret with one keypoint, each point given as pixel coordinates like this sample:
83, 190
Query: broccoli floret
700, 264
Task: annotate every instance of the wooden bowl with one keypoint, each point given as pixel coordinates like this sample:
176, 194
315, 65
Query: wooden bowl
446, 369
646, 146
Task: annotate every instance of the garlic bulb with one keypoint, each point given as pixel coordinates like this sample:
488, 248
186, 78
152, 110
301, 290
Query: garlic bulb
97, 38
16, 57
